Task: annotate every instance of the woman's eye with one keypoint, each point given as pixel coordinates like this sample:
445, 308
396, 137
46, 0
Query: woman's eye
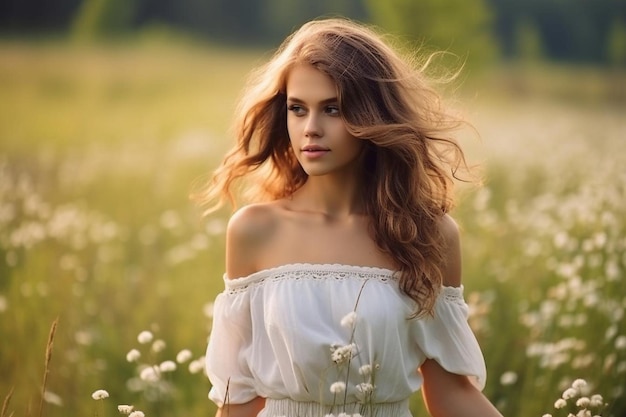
332, 110
296, 109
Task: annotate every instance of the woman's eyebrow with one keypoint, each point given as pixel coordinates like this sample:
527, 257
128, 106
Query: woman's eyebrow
300, 101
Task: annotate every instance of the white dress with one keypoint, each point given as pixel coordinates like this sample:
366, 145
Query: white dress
288, 334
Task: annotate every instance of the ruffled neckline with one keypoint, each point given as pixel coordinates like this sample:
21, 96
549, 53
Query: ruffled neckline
333, 267
322, 268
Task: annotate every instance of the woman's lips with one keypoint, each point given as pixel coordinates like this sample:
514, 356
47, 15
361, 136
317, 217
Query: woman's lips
313, 152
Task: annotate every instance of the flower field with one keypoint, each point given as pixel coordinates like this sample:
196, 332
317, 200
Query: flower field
101, 146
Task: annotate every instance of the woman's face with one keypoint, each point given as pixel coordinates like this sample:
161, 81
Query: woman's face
317, 132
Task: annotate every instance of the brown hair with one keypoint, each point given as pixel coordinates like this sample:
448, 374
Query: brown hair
410, 159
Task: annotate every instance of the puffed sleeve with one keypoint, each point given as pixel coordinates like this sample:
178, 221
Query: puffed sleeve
229, 349
447, 337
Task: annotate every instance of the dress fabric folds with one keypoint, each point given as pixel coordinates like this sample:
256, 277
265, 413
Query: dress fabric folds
316, 339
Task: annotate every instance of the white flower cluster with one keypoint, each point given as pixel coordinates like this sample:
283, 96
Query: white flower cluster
183, 356
100, 394
343, 354
365, 389
584, 403
133, 355
145, 336
337, 387
153, 373
349, 320
122, 408
125, 409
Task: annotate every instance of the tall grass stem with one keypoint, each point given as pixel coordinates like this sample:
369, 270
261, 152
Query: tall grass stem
5, 404
48, 358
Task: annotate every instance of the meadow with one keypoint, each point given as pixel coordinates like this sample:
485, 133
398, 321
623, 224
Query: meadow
100, 147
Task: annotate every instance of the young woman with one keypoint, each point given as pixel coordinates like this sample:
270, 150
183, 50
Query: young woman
343, 277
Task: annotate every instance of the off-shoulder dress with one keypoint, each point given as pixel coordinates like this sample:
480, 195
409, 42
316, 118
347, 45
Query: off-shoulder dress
318, 339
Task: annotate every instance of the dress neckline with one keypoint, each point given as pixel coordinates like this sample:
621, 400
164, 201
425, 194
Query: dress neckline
382, 273
304, 267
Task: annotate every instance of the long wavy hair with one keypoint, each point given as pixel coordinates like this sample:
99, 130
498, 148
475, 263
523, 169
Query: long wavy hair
411, 158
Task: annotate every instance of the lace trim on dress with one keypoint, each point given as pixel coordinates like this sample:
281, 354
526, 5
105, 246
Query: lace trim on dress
318, 272
452, 294
302, 271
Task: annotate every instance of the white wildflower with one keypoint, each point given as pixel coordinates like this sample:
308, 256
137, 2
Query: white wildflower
149, 374
137, 414
508, 378
100, 394
133, 355
620, 342
579, 384
569, 393
583, 402
125, 409
583, 413
560, 403
596, 400
158, 345
183, 356
349, 320
365, 370
365, 388
145, 337
338, 387
196, 366
52, 398
167, 366
547, 415
341, 354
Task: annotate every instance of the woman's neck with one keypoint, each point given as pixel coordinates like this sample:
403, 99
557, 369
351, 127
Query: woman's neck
335, 198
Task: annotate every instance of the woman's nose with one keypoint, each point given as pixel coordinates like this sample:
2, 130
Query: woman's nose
313, 126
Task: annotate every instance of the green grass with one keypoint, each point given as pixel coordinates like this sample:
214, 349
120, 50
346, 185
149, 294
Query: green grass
100, 146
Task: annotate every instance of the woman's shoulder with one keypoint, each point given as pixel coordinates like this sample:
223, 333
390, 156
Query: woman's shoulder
449, 230
253, 222
247, 230
251, 218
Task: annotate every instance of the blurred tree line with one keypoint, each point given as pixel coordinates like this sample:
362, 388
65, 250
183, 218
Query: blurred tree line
569, 30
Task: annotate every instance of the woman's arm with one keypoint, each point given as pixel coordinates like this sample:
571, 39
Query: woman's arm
245, 235
451, 395
447, 394
249, 409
